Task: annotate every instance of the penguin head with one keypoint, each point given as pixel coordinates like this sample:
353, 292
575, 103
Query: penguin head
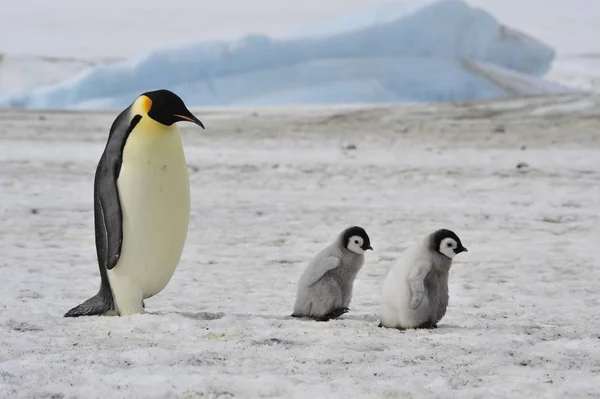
447, 243
165, 107
355, 239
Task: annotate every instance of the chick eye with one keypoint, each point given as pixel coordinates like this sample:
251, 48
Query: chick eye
449, 245
356, 241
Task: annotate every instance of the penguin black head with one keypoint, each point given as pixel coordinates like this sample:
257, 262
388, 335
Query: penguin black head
165, 107
355, 239
447, 243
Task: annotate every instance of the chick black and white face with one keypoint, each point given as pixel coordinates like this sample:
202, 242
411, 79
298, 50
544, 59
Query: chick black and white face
449, 243
357, 240
355, 244
448, 247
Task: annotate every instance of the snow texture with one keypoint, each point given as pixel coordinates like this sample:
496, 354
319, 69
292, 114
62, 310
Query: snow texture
518, 180
393, 52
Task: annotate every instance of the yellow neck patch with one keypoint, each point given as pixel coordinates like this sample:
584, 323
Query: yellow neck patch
142, 105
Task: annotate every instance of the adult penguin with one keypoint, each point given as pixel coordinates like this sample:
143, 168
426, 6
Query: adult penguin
141, 205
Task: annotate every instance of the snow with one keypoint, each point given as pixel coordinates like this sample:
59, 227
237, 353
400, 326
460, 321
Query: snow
271, 187
581, 72
394, 53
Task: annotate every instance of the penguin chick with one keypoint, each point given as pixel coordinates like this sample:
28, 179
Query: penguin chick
141, 205
325, 287
415, 291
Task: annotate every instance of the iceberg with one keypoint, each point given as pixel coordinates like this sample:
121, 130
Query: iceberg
419, 51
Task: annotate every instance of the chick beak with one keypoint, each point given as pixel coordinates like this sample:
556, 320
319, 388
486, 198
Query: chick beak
461, 249
369, 247
190, 118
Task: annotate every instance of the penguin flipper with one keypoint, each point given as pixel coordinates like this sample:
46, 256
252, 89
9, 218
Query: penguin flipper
95, 306
112, 220
107, 193
320, 267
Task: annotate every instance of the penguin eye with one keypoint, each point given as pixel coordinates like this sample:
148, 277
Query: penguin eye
449, 245
356, 241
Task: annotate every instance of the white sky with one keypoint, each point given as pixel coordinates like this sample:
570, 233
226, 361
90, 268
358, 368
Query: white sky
76, 28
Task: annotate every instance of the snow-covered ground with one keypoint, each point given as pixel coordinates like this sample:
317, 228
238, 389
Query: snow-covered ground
271, 187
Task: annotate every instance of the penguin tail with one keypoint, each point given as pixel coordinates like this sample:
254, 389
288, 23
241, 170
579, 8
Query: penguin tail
95, 306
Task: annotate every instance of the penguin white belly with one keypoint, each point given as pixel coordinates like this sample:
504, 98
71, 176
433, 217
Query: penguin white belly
153, 187
395, 311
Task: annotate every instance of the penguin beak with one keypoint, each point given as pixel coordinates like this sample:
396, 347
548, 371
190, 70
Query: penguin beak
368, 247
190, 118
461, 249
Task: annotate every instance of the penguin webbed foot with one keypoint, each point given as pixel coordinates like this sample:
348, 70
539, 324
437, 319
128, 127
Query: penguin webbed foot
97, 305
334, 314
399, 328
427, 326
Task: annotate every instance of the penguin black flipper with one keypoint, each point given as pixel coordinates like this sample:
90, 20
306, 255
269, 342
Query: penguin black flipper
108, 218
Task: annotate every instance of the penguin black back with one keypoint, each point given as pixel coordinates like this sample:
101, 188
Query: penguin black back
108, 215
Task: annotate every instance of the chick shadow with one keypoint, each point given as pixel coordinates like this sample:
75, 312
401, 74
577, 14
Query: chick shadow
196, 315
372, 319
439, 329
208, 316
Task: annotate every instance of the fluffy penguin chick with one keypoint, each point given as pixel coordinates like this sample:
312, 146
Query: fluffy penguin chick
325, 287
415, 291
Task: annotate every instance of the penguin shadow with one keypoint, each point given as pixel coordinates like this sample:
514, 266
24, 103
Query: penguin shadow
440, 329
360, 317
196, 315
346, 317
448, 328
278, 317
219, 315
372, 319
266, 316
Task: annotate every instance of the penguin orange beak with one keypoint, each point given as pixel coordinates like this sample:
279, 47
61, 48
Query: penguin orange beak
190, 118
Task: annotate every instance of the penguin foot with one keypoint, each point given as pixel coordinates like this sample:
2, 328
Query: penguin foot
399, 328
428, 325
334, 314
98, 305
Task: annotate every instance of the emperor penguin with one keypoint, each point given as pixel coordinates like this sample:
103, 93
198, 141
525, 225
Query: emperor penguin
415, 290
325, 287
141, 205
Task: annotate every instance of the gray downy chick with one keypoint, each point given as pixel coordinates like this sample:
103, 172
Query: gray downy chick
415, 291
325, 287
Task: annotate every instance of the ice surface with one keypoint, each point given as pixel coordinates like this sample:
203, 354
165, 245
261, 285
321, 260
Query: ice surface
21, 72
271, 187
410, 51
